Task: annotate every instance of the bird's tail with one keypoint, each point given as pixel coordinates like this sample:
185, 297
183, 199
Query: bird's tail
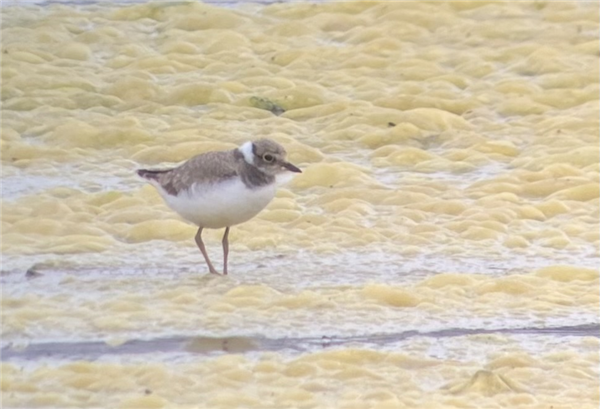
151, 174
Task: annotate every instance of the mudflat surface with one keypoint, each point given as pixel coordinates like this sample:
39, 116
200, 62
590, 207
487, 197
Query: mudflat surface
440, 248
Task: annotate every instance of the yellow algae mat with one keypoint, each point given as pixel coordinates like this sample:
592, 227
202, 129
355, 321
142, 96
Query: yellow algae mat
439, 250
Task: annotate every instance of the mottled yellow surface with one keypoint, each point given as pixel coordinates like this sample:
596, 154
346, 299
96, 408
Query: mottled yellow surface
349, 378
450, 156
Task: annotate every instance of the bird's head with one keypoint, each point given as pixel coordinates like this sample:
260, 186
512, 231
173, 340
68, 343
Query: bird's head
268, 156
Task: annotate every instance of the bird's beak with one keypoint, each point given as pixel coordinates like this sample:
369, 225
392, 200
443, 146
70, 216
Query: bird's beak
291, 167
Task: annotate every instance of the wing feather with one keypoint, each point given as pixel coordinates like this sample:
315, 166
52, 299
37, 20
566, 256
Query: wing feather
209, 167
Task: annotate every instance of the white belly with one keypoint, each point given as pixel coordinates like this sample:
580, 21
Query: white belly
220, 205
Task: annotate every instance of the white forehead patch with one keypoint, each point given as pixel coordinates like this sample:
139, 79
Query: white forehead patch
246, 150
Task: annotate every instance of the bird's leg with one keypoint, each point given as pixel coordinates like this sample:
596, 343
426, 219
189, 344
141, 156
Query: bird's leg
225, 249
200, 244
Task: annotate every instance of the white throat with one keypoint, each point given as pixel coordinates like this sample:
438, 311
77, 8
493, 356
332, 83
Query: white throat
246, 150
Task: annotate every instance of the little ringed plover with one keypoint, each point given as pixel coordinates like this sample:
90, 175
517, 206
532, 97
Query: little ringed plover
223, 188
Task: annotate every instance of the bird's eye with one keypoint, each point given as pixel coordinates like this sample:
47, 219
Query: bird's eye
268, 158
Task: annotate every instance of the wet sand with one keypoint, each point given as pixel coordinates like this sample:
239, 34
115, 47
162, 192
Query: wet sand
440, 249
203, 345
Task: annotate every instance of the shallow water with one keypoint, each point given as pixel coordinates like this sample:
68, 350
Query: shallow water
440, 248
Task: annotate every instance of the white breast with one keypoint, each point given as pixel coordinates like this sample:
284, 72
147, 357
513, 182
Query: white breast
221, 204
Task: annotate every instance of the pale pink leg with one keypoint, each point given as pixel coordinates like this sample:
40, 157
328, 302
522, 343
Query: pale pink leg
225, 250
200, 244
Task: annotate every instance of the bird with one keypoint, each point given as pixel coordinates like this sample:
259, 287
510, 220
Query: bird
221, 189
